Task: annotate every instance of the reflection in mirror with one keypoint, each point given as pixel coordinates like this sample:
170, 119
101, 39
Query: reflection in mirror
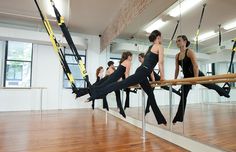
202, 112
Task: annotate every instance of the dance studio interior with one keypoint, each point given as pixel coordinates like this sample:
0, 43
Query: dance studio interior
117, 75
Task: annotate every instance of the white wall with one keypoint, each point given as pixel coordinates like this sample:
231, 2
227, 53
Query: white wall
48, 73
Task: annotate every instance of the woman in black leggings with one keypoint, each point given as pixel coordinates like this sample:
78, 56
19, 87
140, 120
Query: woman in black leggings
99, 75
122, 70
186, 59
113, 75
140, 77
154, 77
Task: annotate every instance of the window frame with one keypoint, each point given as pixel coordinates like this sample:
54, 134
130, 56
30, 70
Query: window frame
65, 78
210, 71
115, 58
21, 61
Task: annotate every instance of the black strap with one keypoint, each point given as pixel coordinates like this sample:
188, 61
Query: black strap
231, 62
186, 52
176, 27
178, 57
199, 26
173, 35
232, 55
219, 34
57, 47
70, 42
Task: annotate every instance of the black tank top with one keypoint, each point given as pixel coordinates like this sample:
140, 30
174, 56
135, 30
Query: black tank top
186, 65
150, 60
116, 75
121, 70
123, 76
98, 79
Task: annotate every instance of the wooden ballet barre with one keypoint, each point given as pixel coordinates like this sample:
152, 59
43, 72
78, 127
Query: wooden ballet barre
195, 80
198, 82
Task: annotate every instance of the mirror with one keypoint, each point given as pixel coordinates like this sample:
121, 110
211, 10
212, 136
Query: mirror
208, 115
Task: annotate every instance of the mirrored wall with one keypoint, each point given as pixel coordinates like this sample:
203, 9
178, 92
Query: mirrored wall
208, 115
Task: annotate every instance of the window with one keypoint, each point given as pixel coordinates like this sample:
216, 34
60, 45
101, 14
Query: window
18, 64
156, 69
74, 68
210, 69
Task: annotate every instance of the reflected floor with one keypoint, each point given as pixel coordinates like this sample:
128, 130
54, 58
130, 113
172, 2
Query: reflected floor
208, 123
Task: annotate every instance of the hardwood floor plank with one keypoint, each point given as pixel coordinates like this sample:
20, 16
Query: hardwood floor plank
73, 130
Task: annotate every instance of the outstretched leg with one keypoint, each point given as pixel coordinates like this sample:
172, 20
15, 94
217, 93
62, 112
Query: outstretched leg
105, 104
127, 91
119, 104
182, 104
147, 110
93, 104
98, 92
149, 91
215, 87
157, 78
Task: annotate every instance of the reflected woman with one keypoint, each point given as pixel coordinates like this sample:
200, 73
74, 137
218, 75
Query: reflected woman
186, 59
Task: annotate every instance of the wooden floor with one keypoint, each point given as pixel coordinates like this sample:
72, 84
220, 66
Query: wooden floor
213, 124
73, 130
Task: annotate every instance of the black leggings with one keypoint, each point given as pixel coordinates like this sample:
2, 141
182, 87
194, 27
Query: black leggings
140, 77
104, 99
127, 91
115, 76
183, 99
105, 105
84, 91
157, 78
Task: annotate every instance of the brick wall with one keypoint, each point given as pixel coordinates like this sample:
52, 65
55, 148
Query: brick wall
129, 10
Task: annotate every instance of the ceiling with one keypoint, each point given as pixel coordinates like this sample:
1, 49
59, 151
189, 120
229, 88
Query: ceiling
85, 16
216, 12
92, 17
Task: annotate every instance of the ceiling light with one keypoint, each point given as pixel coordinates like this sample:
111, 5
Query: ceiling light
59, 5
206, 36
230, 25
155, 26
183, 7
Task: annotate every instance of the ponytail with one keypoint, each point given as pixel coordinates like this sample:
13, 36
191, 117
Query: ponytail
125, 56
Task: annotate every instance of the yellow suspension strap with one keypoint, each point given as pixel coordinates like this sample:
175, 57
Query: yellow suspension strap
199, 26
234, 46
57, 48
176, 27
66, 33
232, 55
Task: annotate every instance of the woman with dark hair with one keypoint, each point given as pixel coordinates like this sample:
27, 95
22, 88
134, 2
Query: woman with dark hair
186, 59
154, 56
122, 71
127, 90
154, 77
114, 75
111, 68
